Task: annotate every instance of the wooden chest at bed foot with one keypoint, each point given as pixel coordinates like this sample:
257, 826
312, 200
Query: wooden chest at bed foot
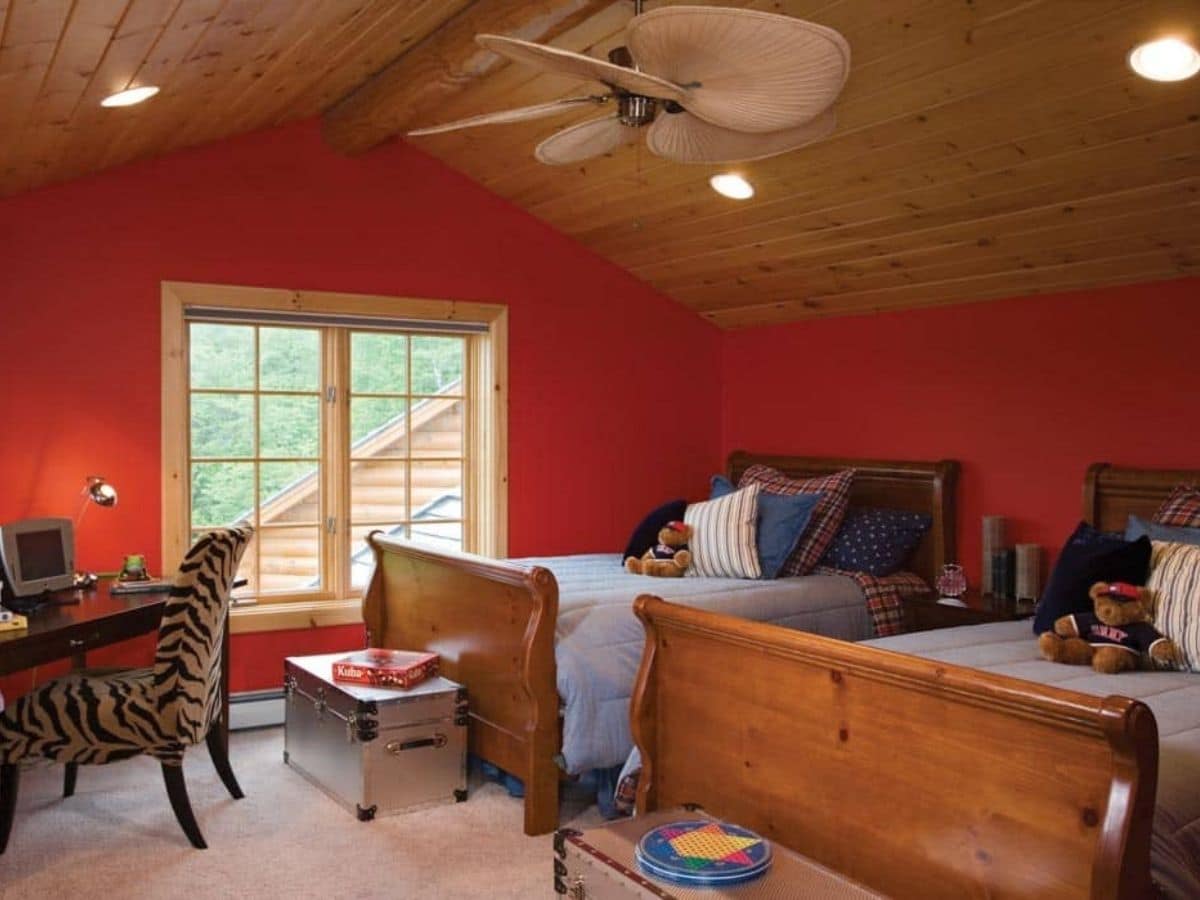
600, 864
376, 751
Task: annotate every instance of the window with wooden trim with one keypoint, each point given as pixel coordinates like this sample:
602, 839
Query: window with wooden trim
319, 418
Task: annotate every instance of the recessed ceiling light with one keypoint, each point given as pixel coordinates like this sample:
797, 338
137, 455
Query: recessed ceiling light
1168, 59
733, 186
131, 97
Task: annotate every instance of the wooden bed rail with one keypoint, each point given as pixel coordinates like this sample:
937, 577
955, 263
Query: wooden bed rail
917, 778
493, 625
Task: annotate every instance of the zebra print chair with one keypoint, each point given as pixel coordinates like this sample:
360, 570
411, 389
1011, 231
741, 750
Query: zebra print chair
92, 718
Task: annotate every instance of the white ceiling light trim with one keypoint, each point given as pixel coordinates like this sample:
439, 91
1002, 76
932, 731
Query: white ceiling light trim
1167, 59
130, 97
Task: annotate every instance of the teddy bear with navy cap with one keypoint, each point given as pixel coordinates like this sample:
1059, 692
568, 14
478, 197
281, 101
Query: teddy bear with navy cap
669, 558
1114, 637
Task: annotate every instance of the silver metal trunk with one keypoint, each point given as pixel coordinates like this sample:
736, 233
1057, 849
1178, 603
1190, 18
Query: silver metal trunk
598, 864
377, 751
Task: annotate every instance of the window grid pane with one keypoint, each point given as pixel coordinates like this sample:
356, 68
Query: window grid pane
407, 447
256, 425
269, 471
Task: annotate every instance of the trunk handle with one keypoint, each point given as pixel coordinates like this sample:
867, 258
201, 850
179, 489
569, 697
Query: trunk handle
397, 747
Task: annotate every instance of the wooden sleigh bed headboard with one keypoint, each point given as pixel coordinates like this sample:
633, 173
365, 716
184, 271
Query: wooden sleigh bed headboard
923, 487
493, 621
1113, 493
856, 755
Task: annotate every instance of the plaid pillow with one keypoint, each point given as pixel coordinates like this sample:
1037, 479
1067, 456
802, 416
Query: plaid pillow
1182, 508
826, 517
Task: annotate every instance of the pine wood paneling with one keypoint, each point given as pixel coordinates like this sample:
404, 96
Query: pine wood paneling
984, 147
224, 66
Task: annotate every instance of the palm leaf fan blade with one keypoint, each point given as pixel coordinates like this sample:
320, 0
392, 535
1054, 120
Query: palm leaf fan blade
520, 114
577, 65
685, 138
586, 140
743, 69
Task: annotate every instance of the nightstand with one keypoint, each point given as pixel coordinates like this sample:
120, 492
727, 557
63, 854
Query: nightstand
925, 612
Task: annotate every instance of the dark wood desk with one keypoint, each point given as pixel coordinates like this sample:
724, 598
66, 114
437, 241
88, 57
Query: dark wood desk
69, 631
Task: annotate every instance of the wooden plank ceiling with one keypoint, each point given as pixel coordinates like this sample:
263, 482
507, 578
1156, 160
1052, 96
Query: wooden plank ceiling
985, 148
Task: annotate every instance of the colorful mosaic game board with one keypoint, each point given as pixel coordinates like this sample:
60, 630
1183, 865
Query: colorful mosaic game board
702, 853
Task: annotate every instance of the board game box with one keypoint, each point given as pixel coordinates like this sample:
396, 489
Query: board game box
687, 854
386, 668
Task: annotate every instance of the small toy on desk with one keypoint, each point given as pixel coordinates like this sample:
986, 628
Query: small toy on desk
1114, 637
133, 568
670, 558
10, 621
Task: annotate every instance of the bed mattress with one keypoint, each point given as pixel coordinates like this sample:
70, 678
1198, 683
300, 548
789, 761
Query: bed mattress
599, 641
1008, 648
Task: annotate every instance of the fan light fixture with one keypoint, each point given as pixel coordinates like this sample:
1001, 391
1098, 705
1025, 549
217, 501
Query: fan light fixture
1167, 59
732, 185
131, 97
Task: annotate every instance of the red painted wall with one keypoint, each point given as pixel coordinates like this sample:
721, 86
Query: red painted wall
1025, 393
80, 267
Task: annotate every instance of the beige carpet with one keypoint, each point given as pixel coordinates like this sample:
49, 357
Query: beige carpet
117, 838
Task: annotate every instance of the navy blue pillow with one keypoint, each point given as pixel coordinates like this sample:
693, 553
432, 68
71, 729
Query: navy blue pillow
645, 535
781, 521
876, 541
1173, 534
1087, 557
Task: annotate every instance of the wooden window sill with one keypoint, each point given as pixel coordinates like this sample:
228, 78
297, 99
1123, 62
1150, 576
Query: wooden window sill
295, 615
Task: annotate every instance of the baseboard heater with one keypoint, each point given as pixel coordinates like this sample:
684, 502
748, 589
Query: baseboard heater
256, 709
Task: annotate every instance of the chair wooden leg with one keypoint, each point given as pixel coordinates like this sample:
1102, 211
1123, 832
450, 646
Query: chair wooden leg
177, 791
9, 777
70, 771
219, 752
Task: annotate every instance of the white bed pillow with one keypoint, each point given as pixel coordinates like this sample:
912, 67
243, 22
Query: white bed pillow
724, 540
1175, 580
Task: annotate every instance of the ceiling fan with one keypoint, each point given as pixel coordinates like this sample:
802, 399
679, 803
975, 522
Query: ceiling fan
707, 84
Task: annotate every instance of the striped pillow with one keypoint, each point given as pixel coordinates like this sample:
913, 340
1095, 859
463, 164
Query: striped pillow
724, 540
826, 518
1182, 508
1175, 580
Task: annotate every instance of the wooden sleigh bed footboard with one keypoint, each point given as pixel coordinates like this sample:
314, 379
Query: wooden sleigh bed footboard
493, 625
917, 778
493, 622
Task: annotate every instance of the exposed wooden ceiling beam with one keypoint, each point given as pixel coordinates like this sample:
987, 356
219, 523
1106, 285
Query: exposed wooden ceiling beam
404, 93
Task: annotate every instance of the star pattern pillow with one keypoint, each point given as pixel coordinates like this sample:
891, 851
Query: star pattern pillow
876, 541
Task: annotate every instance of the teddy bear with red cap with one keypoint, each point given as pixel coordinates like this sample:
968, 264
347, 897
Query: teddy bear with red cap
1114, 636
669, 558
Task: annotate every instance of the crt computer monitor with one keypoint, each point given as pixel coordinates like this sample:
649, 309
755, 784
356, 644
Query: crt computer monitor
38, 555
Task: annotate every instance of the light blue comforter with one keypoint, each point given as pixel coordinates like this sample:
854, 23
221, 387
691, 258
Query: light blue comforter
599, 640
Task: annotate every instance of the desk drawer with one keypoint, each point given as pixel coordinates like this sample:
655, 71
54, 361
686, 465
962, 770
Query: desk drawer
39, 647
